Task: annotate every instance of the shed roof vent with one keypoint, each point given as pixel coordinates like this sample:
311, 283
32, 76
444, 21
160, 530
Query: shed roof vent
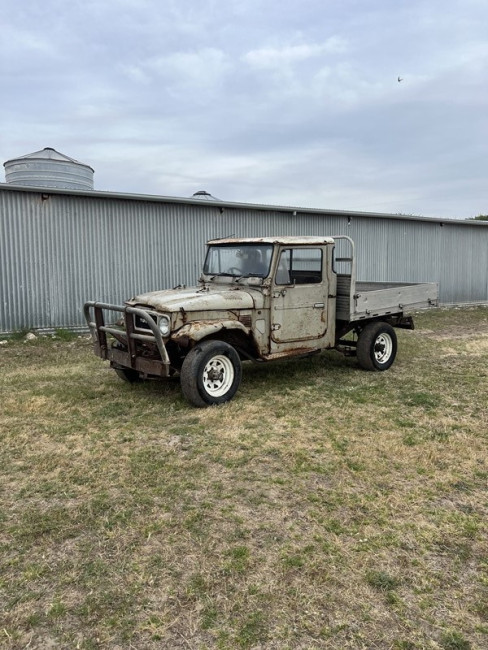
204, 196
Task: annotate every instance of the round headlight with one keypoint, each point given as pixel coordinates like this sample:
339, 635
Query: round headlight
164, 326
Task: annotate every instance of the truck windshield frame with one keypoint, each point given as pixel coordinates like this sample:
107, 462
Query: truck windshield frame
238, 260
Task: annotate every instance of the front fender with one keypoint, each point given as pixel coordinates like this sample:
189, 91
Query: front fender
201, 329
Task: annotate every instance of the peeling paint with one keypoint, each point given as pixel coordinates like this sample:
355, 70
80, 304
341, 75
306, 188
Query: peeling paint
201, 329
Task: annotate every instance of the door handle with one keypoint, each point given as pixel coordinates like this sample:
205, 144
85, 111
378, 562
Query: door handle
319, 305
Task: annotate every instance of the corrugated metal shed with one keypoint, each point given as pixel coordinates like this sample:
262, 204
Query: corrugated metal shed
59, 248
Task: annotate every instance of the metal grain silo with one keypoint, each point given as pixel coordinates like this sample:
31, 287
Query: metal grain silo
49, 168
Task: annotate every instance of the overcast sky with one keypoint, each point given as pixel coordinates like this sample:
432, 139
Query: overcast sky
289, 102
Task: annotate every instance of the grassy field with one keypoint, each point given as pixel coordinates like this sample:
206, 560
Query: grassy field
325, 507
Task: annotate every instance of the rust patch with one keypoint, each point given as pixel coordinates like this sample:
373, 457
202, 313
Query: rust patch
299, 352
197, 330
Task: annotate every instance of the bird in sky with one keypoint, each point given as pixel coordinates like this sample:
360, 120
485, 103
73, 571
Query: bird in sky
399, 79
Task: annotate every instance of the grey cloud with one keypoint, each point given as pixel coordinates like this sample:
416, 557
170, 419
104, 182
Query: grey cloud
279, 102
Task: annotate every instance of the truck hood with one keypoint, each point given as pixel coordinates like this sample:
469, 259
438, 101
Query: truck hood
199, 299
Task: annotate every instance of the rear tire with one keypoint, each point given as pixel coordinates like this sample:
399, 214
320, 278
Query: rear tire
211, 373
377, 346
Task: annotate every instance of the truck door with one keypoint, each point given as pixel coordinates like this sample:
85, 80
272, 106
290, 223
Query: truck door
299, 296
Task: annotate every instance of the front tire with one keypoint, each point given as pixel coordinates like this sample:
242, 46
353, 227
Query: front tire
211, 373
377, 346
128, 375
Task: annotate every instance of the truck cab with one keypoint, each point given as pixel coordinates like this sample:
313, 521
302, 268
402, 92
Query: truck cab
292, 283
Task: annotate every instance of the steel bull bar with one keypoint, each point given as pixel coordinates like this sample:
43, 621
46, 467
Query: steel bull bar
94, 316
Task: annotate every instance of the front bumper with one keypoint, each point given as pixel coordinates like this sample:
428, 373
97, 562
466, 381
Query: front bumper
126, 346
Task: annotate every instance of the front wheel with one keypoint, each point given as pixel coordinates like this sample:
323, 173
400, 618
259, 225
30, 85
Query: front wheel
211, 373
128, 375
377, 346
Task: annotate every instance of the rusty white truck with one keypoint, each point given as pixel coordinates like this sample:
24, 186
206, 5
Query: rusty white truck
258, 299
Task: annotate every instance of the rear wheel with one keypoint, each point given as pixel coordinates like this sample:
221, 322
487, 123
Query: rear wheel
211, 373
377, 346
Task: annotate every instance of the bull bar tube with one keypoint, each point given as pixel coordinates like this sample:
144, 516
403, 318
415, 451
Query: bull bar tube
130, 359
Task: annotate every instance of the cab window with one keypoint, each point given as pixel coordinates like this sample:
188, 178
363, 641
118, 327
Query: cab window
299, 266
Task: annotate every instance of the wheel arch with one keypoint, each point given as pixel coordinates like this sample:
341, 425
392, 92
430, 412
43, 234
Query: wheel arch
230, 331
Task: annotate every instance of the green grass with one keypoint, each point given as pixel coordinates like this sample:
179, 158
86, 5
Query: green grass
324, 507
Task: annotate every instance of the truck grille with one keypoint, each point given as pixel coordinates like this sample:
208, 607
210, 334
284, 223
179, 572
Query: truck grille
140, 323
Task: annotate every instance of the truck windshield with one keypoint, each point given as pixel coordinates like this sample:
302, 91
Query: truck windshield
239, 260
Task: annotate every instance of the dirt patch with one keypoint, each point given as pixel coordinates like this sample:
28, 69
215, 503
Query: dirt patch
457, 332
478, 347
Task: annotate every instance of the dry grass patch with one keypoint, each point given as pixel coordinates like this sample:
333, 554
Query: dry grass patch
324, 507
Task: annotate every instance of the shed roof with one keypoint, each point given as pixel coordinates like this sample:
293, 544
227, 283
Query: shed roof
223, 205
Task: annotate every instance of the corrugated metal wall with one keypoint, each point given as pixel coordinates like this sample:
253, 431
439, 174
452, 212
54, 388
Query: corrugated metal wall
59, 249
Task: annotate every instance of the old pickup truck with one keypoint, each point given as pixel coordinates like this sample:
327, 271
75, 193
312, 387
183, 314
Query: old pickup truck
258, 299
